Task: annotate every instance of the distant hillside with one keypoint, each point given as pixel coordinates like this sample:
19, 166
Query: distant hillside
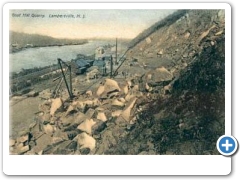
23, 40
164, 22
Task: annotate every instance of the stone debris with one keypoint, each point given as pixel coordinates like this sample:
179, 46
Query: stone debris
158, 75
109, 86
89, 93
45, 118
90, 113
86, 126
204, 34
45, 94
56, 104
48, 129
80, 117
126, 113
86, 141
100, 90
23, 138
23, 149
219, 33
116, 113
11, 142
117, 102
98, 127
101, 116
32, 94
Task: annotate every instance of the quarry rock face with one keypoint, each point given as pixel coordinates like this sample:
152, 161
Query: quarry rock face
161, 107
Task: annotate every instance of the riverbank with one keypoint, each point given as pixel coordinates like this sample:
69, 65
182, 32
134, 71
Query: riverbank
18, 49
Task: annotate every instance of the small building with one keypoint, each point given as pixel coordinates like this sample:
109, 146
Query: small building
101, 66
29, 45
79, 66
100, 53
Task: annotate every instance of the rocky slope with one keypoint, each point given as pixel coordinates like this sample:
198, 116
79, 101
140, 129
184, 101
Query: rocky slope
167, 99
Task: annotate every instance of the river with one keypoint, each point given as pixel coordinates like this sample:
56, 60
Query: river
44, 56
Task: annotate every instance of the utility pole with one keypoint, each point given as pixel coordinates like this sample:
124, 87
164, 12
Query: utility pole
111, 66
116, 53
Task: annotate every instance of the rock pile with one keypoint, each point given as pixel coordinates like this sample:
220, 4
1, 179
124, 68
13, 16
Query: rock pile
90, 123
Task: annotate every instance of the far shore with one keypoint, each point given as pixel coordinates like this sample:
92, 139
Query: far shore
15, 50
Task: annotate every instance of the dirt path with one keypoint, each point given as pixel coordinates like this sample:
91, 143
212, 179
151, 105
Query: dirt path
21, 115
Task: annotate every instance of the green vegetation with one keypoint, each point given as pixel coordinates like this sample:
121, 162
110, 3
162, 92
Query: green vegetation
20, 41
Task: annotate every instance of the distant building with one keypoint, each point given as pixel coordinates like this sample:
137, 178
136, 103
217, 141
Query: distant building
29, 45
100, 53
14, 45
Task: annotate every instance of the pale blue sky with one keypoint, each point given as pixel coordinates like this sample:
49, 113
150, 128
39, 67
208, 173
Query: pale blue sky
97, 23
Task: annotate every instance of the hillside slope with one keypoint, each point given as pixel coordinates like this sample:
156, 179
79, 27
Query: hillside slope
19, 41
189, 116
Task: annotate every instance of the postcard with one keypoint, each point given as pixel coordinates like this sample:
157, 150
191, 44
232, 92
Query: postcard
129, 85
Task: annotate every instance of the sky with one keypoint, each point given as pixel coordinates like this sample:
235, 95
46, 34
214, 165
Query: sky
81, 24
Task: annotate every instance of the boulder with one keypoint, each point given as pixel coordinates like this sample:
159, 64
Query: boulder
66, 121
63, 148
108, 141
129, 96
86, 141
32, 94
23, 137
148, 40
11, 142
125, 89
135, 88
66, 147
72, 134
23, 149
90, 113
70, 110
112, 94
48, 129
91, 103
100, 90
219, 33
187, 35
101, 116
56, 104
86, 126
158, 75
116, 102
79, 118
89, 93
109, 86
80, 106
126, 113
85, 151
98, 127
36, 127
46, 118
116, 113
45, 106
122, 99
